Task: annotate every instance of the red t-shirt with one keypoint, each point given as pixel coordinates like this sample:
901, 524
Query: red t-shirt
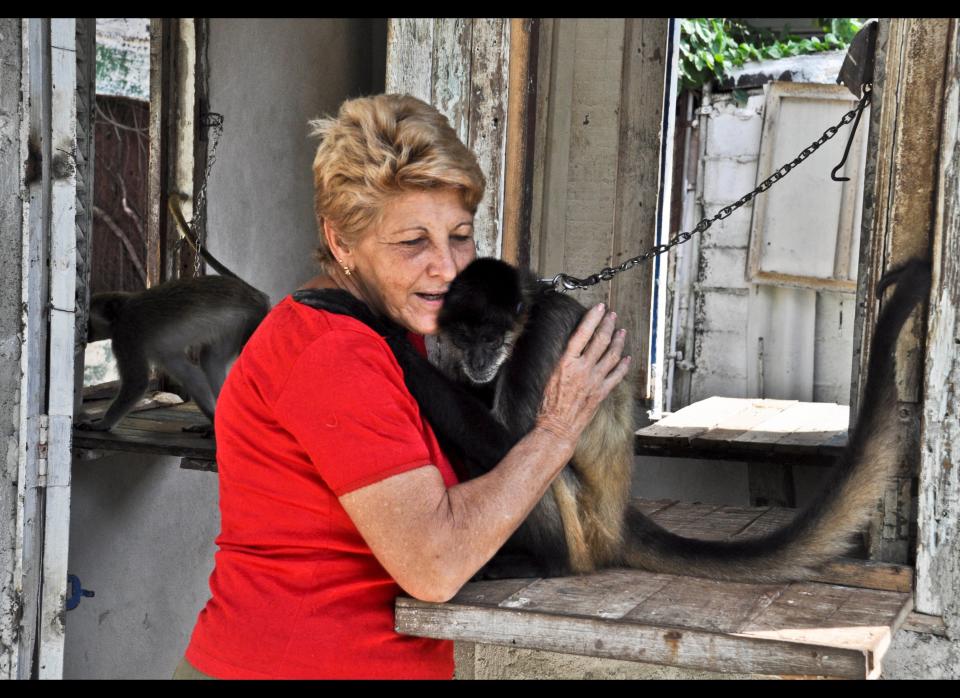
313, 408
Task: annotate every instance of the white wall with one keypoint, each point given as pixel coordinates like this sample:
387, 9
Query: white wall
142, 529
268, 77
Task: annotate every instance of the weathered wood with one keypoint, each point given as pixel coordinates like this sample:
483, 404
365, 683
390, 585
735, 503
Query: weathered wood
450, 72
723, 607
804, 628
694, 420
773, 257
798, 427
928, 625
60, 380
637, 188
798, 629
867, 574
487, 124
897, 223
607, 594
461, 66
94, 408
155, 431
209, 466
938, 550
521, 93
740, 422
156, 217
13, 154
596, 172
782, 432
409, 54
33, 357
633, 641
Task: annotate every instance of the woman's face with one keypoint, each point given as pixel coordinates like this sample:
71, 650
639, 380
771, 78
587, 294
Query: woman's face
404, 265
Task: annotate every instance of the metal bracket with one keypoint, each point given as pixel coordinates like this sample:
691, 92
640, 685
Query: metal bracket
857, 68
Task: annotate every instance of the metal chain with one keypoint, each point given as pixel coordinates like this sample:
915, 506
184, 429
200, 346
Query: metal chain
565, 282
214, 121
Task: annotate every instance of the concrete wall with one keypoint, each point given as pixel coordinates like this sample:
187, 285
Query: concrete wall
142, 529
10, 297
268, 78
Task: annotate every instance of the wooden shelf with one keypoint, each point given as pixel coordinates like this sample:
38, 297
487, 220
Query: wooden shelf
783, 431
837, 626
151, 429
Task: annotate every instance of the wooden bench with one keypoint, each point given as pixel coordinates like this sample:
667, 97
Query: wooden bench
837, 626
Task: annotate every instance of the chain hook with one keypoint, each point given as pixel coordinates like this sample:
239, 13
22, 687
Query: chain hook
853, 132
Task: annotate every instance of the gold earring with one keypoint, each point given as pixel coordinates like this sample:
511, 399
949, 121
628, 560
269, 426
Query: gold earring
346, 269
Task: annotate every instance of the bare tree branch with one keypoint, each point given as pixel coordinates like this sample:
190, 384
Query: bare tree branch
118, 231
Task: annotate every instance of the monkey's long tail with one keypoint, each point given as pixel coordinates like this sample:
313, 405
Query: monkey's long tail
173, 205
824, 529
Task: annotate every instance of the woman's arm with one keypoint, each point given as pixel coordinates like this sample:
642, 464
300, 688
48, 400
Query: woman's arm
432, 539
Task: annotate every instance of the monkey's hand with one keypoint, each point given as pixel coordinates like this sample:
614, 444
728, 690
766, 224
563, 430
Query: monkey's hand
93, 425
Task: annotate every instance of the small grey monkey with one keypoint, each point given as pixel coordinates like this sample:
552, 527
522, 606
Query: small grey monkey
189, 327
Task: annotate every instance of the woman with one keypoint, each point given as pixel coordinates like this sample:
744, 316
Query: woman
334, 494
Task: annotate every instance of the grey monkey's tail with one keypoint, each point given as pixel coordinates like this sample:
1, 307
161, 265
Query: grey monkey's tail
173, 205
825, 528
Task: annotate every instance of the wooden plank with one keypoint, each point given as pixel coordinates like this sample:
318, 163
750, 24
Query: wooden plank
799, 629
209, 466
723, 607
803, 425
63, 279
867, 574
409, 57
770, 520
35, 128
552, 144
836, 617
707, 521
490, 592
487, 131
160, 59
518, 171
938, 549
692, 420
898, 217
739, 422
450, 72
681, 647
594, 121
637, 186
607, 594
928, 625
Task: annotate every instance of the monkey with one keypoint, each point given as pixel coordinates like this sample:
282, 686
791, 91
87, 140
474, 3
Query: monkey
509, 331
191, 327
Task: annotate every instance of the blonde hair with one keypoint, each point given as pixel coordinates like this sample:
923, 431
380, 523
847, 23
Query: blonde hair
378, 148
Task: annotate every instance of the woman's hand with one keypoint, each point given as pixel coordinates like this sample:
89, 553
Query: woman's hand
586, 373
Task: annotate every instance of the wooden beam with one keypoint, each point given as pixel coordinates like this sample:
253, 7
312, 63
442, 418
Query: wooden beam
938, 549
521, 103
898, 216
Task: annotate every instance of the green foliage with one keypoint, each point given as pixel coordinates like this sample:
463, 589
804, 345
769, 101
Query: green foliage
710, 48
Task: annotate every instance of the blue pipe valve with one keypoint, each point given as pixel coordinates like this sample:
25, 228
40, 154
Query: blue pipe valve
76, 591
